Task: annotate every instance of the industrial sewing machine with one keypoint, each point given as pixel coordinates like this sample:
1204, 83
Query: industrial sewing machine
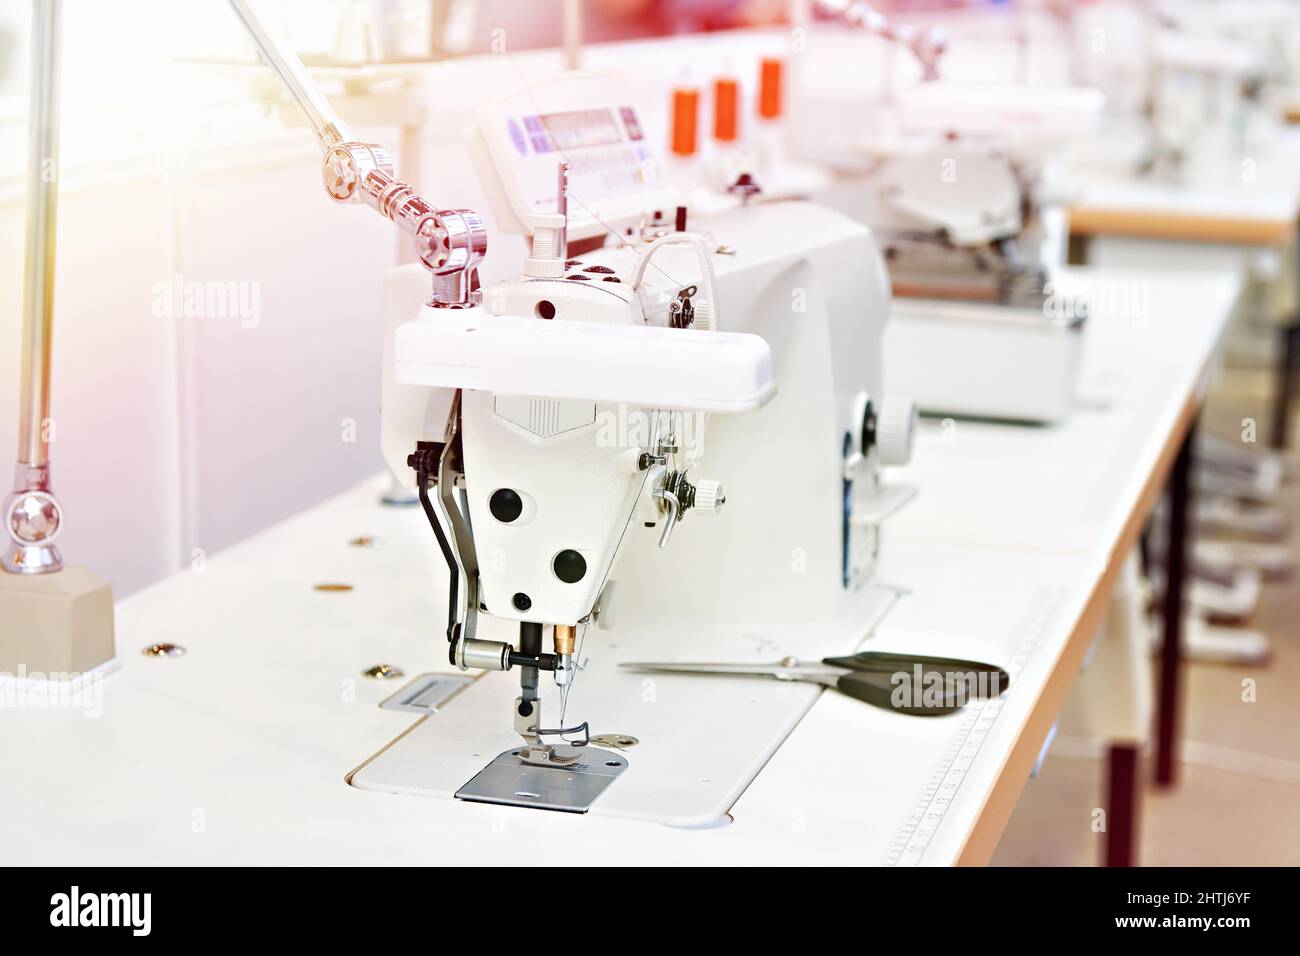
1204, 92
952, 181
567, 497
983, 326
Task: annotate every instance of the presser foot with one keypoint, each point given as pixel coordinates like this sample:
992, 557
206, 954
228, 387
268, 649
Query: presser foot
535, 751
545, 755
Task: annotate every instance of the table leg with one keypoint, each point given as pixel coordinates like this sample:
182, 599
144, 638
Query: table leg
1121, 805
1285, 386
1167, 704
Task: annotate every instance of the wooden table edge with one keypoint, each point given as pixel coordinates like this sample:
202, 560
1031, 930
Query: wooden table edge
1000, 801
1088, 221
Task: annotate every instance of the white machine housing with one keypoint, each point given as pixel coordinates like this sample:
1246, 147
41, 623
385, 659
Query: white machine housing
785, 568
536, 397
807, 280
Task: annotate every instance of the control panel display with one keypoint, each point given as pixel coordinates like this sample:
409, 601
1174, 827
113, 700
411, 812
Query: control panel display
581, 128
589, 122
603, 147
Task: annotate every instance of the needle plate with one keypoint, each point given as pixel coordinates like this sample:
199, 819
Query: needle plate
573, 788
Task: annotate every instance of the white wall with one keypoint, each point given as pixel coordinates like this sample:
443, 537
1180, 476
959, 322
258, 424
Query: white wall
189, 432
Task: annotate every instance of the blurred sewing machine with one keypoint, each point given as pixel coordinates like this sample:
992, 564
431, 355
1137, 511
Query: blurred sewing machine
972, 238
1205, 89
1199, 127
953, 181
964, 210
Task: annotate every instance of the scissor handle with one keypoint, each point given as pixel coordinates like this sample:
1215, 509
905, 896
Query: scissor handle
875, 689
870, 679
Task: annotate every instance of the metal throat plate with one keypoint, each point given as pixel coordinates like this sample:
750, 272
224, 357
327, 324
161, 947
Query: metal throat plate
573, 788
426, 693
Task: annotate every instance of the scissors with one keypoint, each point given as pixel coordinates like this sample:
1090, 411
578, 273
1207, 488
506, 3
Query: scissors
939, 685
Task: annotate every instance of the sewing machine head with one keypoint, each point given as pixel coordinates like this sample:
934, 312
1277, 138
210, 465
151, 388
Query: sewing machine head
550, 425
958, 198
563, 420
1203, 90
808, 280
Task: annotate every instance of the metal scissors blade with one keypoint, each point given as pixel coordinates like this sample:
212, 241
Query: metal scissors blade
787, 669
879, 678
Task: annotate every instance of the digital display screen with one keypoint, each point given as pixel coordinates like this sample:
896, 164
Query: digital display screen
582, 128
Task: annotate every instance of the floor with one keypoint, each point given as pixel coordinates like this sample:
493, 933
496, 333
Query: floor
1237, 801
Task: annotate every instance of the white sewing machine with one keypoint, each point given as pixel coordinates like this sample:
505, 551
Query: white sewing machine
565, 418
961, 210
1204, 92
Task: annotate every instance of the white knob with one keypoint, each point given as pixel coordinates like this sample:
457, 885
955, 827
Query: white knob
709, 497
703, 321
895, 429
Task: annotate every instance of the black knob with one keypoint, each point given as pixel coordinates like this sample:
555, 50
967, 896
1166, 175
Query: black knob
506, 505
569, 566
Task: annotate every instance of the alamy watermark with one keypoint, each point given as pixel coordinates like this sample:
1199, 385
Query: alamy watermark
1128, 301
625, 426
35, 690
128, 910
181, 298
924, 688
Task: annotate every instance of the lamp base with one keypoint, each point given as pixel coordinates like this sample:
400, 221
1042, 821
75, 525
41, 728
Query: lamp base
57, 623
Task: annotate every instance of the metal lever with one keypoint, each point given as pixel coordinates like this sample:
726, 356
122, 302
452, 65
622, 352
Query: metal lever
449, 242
329, 129
677, 496
670, 521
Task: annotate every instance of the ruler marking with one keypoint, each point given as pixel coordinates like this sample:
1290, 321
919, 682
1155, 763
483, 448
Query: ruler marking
919, 825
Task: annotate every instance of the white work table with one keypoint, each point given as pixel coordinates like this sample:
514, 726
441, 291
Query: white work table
1231, 196
237, 751
1233, 206
1071, 488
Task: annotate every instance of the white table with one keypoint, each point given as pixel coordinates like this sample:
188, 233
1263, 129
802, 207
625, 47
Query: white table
236, 752
1228, 207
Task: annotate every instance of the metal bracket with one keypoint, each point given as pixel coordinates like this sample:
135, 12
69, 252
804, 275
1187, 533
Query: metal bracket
448, 475
426, 693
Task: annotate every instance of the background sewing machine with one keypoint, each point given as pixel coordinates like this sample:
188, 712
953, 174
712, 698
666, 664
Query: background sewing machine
962, 204
1192, 150
787, 567
1205, 92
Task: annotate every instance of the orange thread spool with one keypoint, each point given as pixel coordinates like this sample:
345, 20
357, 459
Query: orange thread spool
769, 87
686, 119
726, 115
